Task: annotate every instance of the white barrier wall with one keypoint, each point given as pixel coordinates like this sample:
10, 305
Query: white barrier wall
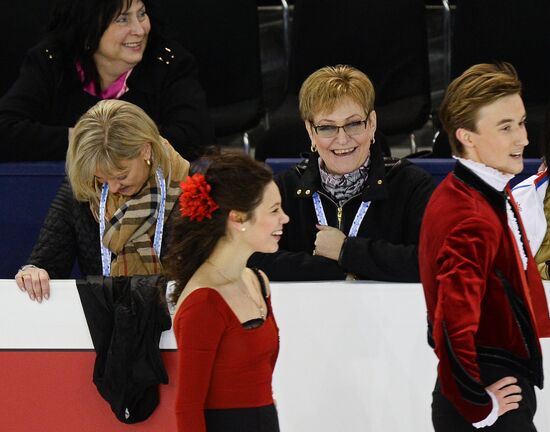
353, 357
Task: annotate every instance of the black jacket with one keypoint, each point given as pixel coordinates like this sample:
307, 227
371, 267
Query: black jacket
386, 245
71, 232
47, 99
126, 317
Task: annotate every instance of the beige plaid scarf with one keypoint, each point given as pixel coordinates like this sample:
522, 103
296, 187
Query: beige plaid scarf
131, 221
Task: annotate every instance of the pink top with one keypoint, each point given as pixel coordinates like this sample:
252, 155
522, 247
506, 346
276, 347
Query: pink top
114, 91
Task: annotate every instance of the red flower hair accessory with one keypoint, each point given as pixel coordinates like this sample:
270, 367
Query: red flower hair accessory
195, 200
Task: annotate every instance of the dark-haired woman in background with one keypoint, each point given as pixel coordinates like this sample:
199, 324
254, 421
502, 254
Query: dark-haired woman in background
102, 49
226, 333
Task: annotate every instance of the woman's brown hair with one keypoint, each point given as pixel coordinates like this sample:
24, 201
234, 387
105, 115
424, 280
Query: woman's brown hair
237, 183
328, 86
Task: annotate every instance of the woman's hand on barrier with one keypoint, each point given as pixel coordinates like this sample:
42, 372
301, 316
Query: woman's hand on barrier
508, 394
35, 282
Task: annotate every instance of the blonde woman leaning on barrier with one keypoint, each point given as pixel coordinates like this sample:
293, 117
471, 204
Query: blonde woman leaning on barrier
122, 179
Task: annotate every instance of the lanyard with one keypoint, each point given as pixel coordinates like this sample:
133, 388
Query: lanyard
105, 252
359, 216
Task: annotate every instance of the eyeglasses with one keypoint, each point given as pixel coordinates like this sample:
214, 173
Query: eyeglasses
351, 129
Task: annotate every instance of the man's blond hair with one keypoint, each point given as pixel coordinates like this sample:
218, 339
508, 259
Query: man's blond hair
479, 86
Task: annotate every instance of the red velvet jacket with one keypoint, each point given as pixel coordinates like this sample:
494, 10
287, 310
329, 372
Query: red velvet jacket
481, 303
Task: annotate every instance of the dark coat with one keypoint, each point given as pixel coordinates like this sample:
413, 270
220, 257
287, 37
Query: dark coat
48, 98
71, 232
126, 317
386, 245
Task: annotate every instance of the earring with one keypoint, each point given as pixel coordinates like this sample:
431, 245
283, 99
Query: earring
243, 229
148, 162
373, 140
313, 148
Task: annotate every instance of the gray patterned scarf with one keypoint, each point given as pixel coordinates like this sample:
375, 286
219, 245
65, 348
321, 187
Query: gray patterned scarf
342, 187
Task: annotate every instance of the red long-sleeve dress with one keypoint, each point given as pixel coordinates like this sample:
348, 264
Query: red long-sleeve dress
221, 364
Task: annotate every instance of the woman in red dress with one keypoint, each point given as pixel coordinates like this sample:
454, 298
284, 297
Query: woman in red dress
226, 333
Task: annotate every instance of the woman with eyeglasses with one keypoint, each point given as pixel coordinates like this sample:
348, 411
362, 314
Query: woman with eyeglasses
352, 216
